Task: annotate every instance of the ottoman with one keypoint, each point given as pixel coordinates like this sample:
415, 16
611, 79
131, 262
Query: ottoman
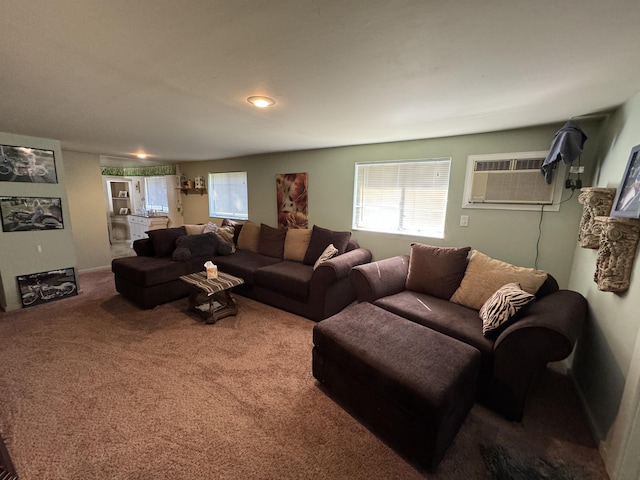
408, 384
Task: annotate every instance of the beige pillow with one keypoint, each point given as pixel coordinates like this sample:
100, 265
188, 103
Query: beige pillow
194, 229
296, 243
249, 237
485, 275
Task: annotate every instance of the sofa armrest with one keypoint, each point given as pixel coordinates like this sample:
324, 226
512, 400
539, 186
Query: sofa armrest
546, 333
332, 270
380, 279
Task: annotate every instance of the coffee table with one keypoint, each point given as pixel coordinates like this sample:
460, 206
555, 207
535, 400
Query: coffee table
211, 291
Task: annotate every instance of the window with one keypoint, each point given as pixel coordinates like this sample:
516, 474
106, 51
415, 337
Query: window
156, 191
228, 195
407, 197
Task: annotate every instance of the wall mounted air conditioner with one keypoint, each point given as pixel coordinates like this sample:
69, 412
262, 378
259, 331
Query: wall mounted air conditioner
512, 179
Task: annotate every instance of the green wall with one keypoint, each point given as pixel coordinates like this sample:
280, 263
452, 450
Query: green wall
610, 344
508, 235
19, 253
88, 210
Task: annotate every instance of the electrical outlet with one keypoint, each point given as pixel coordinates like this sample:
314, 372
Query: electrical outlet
464, 220
39, 248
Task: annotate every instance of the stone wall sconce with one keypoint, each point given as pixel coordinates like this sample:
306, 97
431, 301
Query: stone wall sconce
596, 202
617, 250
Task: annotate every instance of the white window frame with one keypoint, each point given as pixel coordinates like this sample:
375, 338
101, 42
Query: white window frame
383, 209
228, 195
155, 192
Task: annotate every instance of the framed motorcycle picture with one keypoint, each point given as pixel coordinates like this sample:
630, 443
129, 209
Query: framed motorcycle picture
25, 164
43, 287
22, 214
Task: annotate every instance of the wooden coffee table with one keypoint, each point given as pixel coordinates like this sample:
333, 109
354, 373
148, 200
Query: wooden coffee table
211, 291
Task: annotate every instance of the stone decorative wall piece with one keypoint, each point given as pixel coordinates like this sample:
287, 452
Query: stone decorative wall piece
597, 202
618, 244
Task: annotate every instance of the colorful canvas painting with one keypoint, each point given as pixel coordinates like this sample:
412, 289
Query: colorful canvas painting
291, 189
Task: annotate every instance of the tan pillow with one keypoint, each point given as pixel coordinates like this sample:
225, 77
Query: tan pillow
249, 237
194, 229
485, 275
296, 243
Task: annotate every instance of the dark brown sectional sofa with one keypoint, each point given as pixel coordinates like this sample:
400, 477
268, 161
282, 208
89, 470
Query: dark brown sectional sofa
514, 355
273, 274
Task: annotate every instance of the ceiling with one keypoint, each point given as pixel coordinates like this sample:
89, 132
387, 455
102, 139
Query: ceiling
171, 78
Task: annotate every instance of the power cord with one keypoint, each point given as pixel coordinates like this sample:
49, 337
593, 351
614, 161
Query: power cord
535, 263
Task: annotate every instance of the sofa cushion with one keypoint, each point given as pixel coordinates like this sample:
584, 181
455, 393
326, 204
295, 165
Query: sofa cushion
205, 244
194, 229
271, 241
164, 240
502, 308
296, 243
451, 319
437, 271
321, 238
144, 247
149, 271
485, 275
290, 278
244, 264
226, 235
249, 237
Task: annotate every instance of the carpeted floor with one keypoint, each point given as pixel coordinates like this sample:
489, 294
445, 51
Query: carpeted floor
93, 388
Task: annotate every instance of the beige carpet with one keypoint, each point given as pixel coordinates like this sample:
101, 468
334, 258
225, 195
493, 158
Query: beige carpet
93, 388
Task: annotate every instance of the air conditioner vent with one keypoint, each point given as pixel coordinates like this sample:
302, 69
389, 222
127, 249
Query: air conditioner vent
528, 164
509, 179
492, 165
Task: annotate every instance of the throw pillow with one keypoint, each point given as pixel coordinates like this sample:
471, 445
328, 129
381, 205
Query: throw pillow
501, 308
226, 235
321, 238
194, 229
237, 226
437, 271
328, 253
249, 237
271, 241
210, 227
203, 245
164, 240
485, 275
296, 243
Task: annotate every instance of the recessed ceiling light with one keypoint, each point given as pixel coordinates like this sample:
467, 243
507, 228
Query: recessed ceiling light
261, 102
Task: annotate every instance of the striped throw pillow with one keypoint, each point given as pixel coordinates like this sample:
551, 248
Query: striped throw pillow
502, 306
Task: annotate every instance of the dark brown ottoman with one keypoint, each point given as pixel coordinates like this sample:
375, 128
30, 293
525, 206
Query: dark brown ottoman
410, 385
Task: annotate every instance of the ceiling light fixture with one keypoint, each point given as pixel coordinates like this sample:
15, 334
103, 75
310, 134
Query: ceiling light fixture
261, 102
141, 156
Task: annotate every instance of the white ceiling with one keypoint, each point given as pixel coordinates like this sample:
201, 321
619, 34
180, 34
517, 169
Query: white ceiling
171, 77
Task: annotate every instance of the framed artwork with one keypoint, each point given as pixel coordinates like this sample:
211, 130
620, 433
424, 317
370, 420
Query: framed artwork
124, 211
43, 287
627, 201
24, 164
21, 214
122, 194
291, 194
